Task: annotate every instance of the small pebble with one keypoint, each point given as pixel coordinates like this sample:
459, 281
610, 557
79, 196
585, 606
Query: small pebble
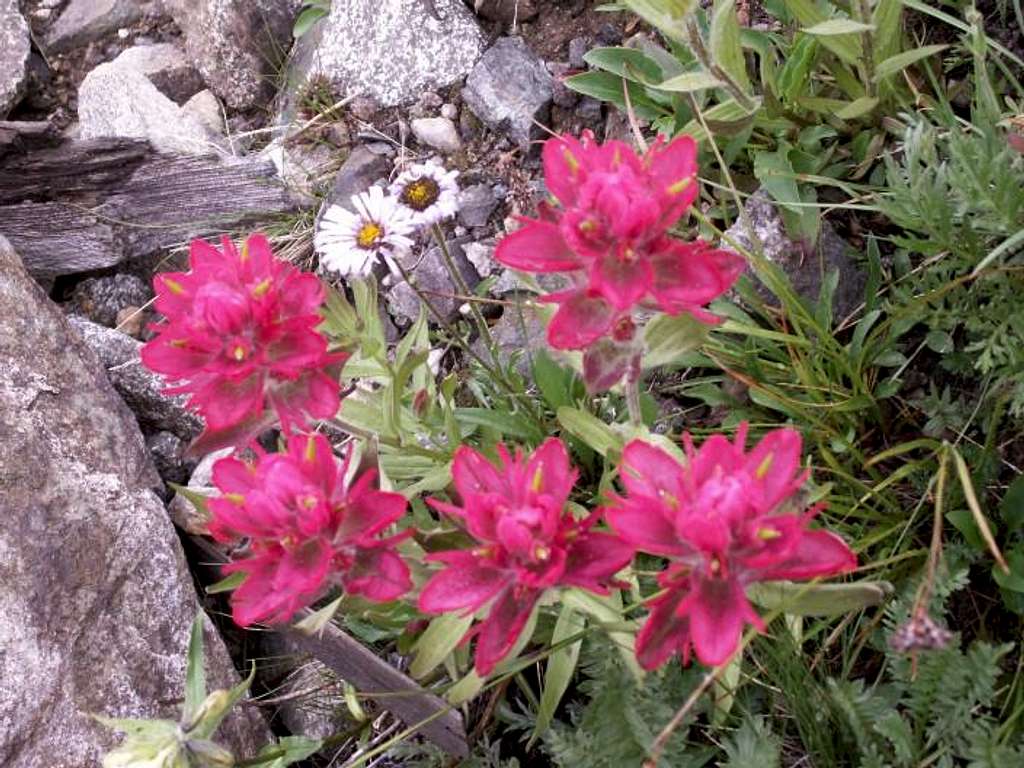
449, 111
437, 132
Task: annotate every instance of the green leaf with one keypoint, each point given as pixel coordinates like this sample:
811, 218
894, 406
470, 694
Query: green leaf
437, 641
464, 690
1014, 580
796, 72
667, 338
508, 424
227, 584
194, 497
553, 381
818, 599
215, 708
305, 20
560, 667
886, 18
290, 750
1012, 506
666, 15
606, 611
724, 41
833, 27
195, 674
858, 108
939, 341
624, 62
846, 47
605, 86
590, 429
316, 621
690, 82
725, 119
899, 62
724, 690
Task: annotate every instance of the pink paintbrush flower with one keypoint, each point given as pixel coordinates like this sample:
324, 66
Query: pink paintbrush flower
307, 530
241, 337
610, 236
528, 543
726, 519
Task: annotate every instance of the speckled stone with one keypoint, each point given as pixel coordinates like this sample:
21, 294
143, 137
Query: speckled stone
95, 595
84, 21
393, 50
14, 53
236, 44
119, 98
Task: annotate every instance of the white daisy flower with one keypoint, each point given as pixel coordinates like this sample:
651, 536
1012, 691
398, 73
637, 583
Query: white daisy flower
429, 192
349, 243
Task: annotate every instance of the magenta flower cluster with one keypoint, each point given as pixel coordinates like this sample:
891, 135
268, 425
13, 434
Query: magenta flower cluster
241, 337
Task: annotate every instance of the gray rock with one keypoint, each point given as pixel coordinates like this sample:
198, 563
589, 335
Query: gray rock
805, 266
437, 132
450, 111
481, 256
14, 54
476, 204
84, 21
578, 48
205, 108
561, 94
168, 453
360, 170
95, 596
318, 707
430, 274
119, 98
140, 388
509, 89
510, 338
167, 67
236, 44
390, 50
306, 167
101, 299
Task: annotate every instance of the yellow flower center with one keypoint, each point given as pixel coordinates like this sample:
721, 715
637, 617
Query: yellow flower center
238, 353
420, 194
369, 234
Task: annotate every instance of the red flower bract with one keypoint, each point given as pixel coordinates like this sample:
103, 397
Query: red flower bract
241, 338
610, 234
306, 529
726, 519
529, 543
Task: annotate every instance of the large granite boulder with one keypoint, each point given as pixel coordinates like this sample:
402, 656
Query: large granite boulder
236, 44
14, 53
95, 596
390, 50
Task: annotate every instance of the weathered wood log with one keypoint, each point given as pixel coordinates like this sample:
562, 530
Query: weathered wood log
351, 661
90, 204
16, 134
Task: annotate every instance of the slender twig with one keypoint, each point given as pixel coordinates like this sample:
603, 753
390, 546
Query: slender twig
658, 747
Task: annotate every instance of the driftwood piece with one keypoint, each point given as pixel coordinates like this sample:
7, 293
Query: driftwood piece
19, 133
90, 204
351, 661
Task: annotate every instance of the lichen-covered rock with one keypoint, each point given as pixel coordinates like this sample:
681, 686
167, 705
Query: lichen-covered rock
121, 98
236, 44
805, 265
84, 21
510, 90
101, 299
390, 50
14, 55
95, 596
140, 388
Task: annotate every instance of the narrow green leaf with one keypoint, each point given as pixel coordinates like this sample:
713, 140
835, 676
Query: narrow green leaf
858, 108
553, 381
972, 504
846, 47
724, 690
668, 337
305, 20
886, 18
227, 584
316, 621
508, 424
606, 611
834, 27
195, 673
724, 41
216, 706
437, 641
1011, 509
560, 667
668, 16
689, 82
899, 62
605, 86
289, 750
590, 429
629, 63
818, 599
